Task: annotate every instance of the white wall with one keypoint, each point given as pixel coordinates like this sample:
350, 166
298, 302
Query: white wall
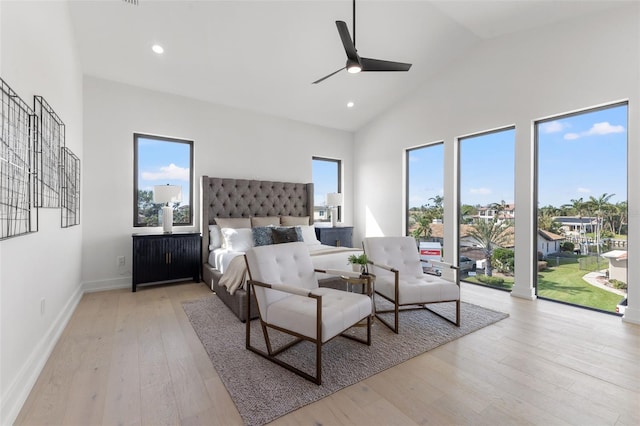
511, 80
227, 143
37, 57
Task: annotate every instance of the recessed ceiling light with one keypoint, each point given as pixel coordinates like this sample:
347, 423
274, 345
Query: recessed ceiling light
157, 48
350, 104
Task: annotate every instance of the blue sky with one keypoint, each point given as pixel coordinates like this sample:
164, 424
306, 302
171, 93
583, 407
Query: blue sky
325, 180
583, 155
579, 156
161, 163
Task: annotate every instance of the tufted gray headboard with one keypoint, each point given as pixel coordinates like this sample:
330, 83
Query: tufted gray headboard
226, 197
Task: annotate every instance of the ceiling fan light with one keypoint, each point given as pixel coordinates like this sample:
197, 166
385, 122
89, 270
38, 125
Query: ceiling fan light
353, 67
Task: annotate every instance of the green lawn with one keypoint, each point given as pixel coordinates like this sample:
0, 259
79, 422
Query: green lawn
564, 283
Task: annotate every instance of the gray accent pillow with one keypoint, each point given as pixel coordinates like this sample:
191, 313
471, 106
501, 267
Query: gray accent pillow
262, 236
285, 235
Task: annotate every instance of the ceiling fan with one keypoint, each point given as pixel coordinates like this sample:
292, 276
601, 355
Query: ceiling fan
356, 63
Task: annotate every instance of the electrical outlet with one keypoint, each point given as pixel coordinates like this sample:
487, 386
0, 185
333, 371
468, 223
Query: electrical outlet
42, 306
120, 261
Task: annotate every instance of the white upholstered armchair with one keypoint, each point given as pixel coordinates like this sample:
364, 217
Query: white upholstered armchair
289, 300
399, 278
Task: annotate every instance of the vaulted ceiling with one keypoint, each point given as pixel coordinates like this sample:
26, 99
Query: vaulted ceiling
264, 55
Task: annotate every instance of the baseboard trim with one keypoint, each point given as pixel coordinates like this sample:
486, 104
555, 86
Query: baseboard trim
105, 285
19, 390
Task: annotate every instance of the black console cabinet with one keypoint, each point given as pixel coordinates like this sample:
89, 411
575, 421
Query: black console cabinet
338, 236
165, 257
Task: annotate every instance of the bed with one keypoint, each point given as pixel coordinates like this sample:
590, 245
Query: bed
239, 213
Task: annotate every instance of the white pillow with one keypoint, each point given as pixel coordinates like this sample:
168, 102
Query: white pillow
240, 239
215, 237
309, 235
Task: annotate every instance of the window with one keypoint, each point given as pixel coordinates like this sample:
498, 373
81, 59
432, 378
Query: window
327, 178
161, 161
582, 207
424, 200
487, 209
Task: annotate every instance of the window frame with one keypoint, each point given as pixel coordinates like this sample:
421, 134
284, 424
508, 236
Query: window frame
407, 154
136, 137
338, 177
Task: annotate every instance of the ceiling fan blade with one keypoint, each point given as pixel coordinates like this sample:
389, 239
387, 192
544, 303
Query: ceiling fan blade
369, 64
327, 76
349, 47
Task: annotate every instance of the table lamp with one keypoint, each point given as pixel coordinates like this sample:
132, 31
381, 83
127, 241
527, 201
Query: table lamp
334, 199
165, 194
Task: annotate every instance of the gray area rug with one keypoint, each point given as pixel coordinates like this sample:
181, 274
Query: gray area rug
264, 391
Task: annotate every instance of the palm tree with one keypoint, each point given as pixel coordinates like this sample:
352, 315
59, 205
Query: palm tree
423, 227
578, 207
621, 216
599, 206
489, 235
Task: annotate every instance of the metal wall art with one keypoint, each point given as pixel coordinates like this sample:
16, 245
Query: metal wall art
17, 215
36, 168
48, 144
70, 190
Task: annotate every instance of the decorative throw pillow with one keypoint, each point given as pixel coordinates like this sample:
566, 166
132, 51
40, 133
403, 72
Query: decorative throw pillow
239, 239
262, 235
265, 221
309, 235
284, 235
215, 237
233, 222
294, 220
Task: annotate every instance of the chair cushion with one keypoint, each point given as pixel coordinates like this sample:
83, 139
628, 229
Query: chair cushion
340, 310
400, 253
425, 289
288, 263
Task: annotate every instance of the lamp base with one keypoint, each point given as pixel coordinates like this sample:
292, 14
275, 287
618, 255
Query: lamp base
334, 217
167, 219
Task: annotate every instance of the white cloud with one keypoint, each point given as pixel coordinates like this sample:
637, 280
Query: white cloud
480, 191
584, 190
170, 172
552, 127
597, 129
571, 136
604, 129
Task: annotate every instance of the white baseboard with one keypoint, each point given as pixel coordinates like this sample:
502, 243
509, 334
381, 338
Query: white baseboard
20, 388
104, 285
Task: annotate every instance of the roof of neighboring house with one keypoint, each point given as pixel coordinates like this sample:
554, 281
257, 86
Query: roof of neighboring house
615, 254
549, 236
437, 232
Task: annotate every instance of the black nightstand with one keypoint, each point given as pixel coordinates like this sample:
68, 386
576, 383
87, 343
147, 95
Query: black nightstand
165, 257
339, 236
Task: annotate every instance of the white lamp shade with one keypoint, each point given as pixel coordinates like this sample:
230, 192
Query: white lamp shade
334, 199
167, 194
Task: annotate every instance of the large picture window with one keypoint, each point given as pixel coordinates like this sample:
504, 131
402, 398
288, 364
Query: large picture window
582, 208
487, 208
326, 180
162, 161
425, 201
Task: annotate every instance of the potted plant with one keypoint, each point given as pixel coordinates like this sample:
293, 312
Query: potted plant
360, 260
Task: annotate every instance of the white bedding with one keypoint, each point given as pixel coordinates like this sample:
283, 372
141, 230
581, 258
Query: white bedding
322, 257
221, 257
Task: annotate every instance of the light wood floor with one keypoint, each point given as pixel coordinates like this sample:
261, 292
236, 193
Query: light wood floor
133, 358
